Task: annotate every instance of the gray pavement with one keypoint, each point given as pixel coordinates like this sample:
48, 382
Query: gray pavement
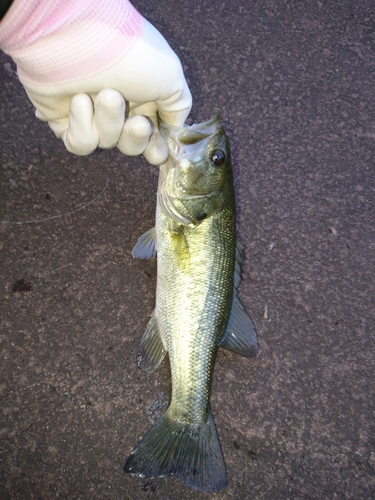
294, 81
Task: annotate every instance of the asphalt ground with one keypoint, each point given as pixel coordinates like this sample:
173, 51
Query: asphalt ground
295, 84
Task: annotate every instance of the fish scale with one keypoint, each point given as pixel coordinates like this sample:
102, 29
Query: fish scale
197, 308
209, 305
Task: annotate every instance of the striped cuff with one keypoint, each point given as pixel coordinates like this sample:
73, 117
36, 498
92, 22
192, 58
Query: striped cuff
61, 41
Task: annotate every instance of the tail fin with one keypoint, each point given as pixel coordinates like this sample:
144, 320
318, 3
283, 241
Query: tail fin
171, 448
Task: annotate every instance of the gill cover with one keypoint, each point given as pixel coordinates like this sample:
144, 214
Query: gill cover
192, 181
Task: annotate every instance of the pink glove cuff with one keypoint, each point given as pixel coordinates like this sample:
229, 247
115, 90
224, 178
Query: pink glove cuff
61, 41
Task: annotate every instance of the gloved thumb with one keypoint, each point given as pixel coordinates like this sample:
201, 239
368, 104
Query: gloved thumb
176, 108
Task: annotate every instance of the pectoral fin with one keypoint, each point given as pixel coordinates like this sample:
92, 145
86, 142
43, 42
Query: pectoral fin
145, 246
240, 335
151, 349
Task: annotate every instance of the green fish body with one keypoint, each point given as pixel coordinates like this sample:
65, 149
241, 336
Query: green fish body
197, 309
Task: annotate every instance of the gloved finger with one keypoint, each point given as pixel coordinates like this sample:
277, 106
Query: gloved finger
58, 126
176, 108
81, 137
156, 151
40, 115
135, 135
109, 117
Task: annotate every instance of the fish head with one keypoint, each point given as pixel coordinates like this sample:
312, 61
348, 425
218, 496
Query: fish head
196, 180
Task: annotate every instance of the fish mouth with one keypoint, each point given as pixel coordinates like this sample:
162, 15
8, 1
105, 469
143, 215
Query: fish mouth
189, 139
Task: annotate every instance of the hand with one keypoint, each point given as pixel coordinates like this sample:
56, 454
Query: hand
101, 77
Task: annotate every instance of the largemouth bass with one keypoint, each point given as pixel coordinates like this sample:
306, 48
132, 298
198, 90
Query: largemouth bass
197, 308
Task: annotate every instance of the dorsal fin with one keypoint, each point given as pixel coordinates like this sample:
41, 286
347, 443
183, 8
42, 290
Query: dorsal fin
240, 335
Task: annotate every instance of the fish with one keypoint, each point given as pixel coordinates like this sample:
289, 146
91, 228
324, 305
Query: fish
197, 308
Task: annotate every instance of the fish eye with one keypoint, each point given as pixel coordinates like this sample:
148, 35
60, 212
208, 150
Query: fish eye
217, 157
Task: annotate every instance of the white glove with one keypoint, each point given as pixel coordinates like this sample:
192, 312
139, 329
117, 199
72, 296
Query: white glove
98, 73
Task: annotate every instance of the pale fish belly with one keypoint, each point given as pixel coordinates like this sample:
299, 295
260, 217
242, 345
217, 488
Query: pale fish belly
193, 302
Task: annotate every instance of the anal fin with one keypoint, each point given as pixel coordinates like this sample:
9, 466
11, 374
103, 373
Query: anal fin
240, 335
151, 349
